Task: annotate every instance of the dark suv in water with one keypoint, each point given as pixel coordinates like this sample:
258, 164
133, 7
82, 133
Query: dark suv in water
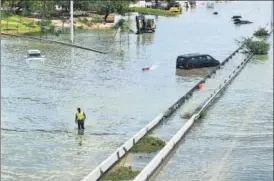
190, 61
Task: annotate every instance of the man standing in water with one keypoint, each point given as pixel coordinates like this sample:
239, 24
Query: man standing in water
80, 118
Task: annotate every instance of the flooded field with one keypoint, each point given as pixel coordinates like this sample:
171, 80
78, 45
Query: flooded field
39, 138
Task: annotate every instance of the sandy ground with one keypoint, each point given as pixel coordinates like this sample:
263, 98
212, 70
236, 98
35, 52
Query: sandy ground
59, 23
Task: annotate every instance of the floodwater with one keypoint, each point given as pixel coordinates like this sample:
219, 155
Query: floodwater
39, 139
234, 140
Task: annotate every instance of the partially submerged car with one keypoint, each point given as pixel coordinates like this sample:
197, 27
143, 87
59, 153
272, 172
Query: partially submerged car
34, 54
236, 17
190, 61
238, 20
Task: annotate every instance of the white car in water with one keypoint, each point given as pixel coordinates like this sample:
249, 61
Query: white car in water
34, 54
34, 57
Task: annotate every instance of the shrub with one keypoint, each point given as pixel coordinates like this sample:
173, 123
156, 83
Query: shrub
84, 20
261, 32
152, 11
148, 144
121, 173
256, 47
97, 20
80, 27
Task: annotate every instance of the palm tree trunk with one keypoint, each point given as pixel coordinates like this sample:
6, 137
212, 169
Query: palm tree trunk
128, 31
7, 27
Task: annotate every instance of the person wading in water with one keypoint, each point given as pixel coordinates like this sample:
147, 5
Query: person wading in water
80, 118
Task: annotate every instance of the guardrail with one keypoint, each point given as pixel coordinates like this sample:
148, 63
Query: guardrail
53, 41
121, 151
182, 100
117, 155
155, 163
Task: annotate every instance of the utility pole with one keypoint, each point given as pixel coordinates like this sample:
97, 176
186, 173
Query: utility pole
71, 21
1, 13
272, 14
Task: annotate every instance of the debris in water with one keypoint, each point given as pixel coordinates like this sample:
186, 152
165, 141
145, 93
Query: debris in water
201, 86
146, 69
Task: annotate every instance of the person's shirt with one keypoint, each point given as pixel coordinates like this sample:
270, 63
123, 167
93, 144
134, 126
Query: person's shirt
76, 117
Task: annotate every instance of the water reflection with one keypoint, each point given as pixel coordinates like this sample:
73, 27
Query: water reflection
200, 72
145, 39
80, 137
35, 63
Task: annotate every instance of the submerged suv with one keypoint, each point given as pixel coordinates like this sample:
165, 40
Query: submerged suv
190, 61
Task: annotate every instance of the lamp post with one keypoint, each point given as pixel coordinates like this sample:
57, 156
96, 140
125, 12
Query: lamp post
272, 14
71, 21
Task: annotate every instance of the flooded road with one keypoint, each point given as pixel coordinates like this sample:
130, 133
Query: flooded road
39, 100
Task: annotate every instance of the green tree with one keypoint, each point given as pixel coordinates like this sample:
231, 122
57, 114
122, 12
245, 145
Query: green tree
6, 16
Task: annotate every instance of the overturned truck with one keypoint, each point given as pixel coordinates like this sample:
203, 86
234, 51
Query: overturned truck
145, 25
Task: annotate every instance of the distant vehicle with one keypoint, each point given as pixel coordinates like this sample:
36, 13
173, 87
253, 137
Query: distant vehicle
144, 25
190, 61
239, 21
34, 54
174, 7
236, 17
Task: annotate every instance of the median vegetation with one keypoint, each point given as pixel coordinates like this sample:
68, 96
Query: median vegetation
151, 11
121, 173
148, 144
257, 47
261, 32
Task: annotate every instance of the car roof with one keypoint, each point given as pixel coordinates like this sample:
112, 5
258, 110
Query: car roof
34, 51
192, 55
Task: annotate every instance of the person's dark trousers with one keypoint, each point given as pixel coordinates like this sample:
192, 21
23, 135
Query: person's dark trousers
81, 124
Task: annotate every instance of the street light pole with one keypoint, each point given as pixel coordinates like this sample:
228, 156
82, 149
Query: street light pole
272, 14
71, 21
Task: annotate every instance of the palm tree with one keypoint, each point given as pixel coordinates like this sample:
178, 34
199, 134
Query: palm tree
123, 26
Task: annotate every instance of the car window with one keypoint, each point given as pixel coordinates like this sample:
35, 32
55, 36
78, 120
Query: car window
180, 59
202, 59
34, 55
209, 58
